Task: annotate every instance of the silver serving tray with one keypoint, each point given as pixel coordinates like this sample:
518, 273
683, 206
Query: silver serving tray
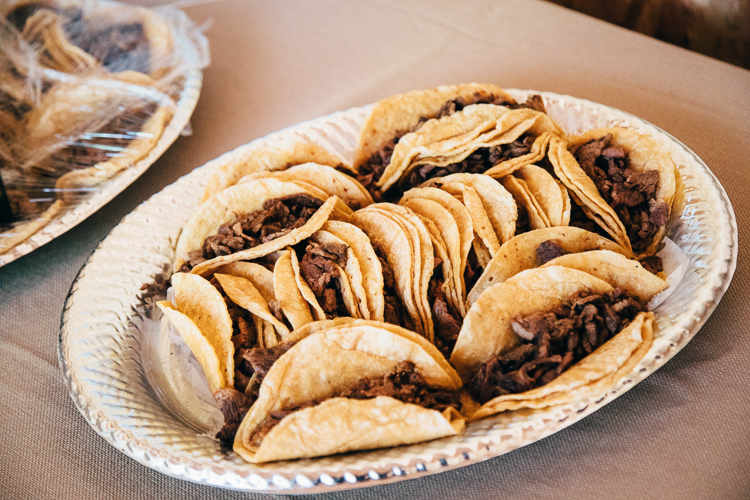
72, 215
109, 321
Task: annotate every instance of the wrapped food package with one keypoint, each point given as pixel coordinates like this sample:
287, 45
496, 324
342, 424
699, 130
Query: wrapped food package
87, 90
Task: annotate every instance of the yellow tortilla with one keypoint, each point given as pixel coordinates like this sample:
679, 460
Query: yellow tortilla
198, 344
585, 194
462, 219
326, 178
615, 269
480, 220
644, 153
519, 253
305, 290
224, 208
365, 256
450, 234
400, 113
598, 372
520, 191
487, 331
197, 299
352, 353
549, 197
287, 292
424, 260
498, 203
259, 276
352, 269
265, 156
243, 293
396, 244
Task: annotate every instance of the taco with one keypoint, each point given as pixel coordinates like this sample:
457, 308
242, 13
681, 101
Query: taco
457, 243
535, 248
396, 116
549, 336
234, 334
249, 221
496, 201
454, 222
615, 269
549, 194
325, 178
111, 36
378, 387
394, 248
623, 180
372, 270
109, 124
331, 268
478, 138
268, 156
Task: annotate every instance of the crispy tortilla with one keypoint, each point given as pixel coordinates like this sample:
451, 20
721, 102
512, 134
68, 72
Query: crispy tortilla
644, 153
198, 344
401, 113
462, 219
367, 260
351, 353
550, 195
395, 241
423, 260
487, 331
450, 234
354, 273
326, 178
243, 293
226, 205
197, 299
615, 269
264, 156
521, 193
453, 138
498, 203
600, 371
519, 253
287, 292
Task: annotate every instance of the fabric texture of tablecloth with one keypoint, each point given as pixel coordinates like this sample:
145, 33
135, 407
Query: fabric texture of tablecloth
683, 433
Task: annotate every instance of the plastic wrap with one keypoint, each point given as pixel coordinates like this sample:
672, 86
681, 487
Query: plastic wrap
86, 92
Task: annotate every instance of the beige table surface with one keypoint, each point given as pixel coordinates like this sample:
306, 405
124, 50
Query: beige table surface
683, 433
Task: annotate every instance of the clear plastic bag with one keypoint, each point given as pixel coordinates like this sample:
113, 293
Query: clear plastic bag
86, 91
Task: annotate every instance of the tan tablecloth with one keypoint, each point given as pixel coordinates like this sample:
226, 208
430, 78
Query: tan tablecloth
683, 433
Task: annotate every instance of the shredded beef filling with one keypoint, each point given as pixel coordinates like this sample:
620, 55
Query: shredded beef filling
482, 160
249, 362
318, 268
579, 219
233, 405
547, 251
446, 321
402, 383
394, 312
119, 47
473, 271
478, 162
652, 264
553, 341
631, 194
278, 217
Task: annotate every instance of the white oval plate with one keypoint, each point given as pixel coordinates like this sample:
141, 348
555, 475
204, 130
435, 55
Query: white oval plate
108, 322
